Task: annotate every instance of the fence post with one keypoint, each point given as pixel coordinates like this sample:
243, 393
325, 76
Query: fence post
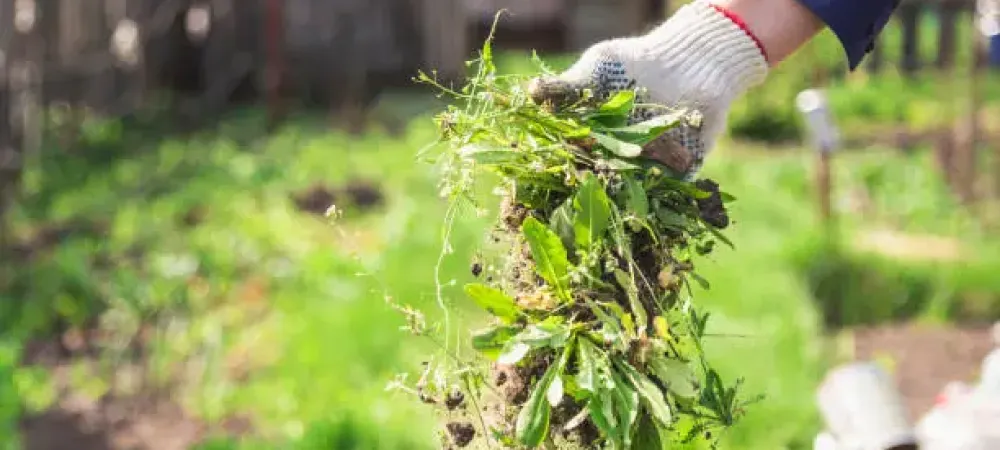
875, 58
966, 158
9, 147
822, 131
20, 87
352, 108
274, 68
947, 15
909, 16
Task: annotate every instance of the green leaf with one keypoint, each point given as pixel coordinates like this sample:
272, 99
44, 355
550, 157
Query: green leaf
647, 131
718, 235
602, 413
671, 219
491, 155
626, 319
626, 406
617, 146
562, 223
549, 333
494, 301
701, 281
636, 199
513, 352
533, 420
687, 188
593, 212
620, 104
555, 392
726, 197
646, 434
621, 165
677, 375
627, 284
492, 341
586, 364
651, 395
549, 255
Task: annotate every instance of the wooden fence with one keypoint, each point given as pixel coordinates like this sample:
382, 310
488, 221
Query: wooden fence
948, 13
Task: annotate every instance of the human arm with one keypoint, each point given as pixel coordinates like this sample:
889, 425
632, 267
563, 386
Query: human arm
708, 54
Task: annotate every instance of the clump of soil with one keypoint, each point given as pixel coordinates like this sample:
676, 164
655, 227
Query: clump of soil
712, 208
357, 194
462, 433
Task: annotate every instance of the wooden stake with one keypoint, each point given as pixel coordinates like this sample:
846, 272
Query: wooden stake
824, 188
274, 69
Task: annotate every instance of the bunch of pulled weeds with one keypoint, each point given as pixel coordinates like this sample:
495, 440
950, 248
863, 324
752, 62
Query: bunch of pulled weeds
594, 339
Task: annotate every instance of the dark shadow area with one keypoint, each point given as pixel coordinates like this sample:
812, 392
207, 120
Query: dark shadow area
182, 67
355, 195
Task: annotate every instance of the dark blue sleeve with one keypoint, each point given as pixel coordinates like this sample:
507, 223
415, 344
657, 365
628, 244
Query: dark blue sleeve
855, 22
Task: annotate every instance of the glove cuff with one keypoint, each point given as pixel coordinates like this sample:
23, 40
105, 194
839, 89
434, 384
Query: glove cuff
708, 48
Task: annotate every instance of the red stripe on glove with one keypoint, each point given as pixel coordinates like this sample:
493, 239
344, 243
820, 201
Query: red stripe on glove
743, 26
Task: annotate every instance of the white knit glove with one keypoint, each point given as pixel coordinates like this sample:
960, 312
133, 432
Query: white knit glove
699, 59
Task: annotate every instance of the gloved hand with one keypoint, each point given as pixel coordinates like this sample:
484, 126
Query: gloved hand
700, 59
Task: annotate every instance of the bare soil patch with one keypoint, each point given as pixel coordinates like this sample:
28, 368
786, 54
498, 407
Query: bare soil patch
925, 358
357, 194
132, 415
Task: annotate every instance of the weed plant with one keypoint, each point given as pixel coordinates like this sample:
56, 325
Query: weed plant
595, 340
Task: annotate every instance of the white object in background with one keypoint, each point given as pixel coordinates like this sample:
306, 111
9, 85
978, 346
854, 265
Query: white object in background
863, 410
967, 422
819, 121
825, 441
942, 428
988, 17
989, 380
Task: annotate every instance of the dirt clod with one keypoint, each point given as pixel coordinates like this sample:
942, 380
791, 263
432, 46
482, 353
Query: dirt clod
461, 433
712, 209
513, 214
455, 400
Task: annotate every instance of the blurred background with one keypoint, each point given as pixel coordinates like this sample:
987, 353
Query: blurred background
169, 281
